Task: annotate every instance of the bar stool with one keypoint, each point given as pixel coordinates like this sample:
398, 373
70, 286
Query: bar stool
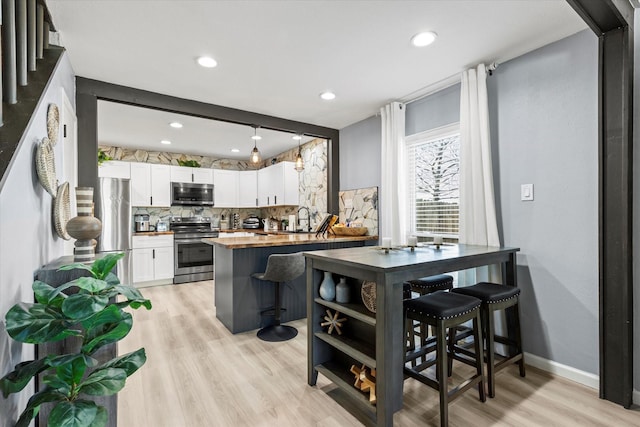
445, 310
280, 268
423, 286
496, 297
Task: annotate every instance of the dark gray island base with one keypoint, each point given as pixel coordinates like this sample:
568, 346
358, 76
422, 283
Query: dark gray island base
239, 298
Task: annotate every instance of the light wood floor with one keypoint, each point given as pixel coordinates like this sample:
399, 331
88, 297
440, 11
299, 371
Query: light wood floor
199, 374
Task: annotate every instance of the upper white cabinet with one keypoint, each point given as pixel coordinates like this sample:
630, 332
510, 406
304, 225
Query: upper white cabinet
114, 169
248, 189
150, 185
194, 175
278, 185
225, 188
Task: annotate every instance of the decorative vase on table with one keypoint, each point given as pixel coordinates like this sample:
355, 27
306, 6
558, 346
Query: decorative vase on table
328, 287
85, 227
342, 291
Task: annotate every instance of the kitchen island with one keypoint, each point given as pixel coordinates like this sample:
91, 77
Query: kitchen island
239, 298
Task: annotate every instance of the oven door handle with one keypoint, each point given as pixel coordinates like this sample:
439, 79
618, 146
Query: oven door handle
178, 241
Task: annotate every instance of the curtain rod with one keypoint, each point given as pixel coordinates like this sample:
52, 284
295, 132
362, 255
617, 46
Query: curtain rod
440, 85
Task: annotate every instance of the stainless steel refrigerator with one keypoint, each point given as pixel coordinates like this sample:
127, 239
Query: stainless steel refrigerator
113, 208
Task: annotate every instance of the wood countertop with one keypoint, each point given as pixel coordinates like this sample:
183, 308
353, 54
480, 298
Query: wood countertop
270, 240
152, 233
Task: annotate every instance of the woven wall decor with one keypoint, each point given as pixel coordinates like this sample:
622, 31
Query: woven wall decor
46, 167
53, 123
62, 211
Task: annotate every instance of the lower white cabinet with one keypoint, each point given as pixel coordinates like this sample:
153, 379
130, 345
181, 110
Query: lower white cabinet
153, 258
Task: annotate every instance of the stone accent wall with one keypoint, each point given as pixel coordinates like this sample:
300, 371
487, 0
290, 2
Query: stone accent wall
312, 181
363, 208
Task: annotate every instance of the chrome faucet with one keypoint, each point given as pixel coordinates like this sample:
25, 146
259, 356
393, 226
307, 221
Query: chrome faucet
308, 217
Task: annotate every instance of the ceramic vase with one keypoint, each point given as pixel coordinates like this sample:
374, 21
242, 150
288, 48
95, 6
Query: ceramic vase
85, 227
328, 287
342, 291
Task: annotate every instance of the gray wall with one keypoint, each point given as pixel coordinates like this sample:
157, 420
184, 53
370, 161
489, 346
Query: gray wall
360, 159
544, 129
439, 109
28, 239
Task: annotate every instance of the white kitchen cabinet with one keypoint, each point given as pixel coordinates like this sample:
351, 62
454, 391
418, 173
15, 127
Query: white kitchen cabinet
150, 185
115, 169
153, 258
247, 189
225, 188
278, 185
193, 175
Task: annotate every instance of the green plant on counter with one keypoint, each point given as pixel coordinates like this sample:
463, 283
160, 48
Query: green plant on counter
94, 318
103, 157
189, 163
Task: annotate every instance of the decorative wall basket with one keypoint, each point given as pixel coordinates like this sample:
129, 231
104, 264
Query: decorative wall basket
46, 167
62, 211
368, 293
53, 123
85, 227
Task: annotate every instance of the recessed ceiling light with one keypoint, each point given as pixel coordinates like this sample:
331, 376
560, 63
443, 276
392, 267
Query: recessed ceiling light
328, 96
176, 125
235, 150
423, 39
165, 142
296, 137
207, 62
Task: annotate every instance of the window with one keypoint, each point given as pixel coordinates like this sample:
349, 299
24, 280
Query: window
434, 184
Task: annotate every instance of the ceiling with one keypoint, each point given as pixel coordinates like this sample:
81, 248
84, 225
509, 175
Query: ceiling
276, 57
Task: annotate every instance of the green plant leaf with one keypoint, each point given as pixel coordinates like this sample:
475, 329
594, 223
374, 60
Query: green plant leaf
55, 361
108, 333
104, 382
43, 293
101, 418
72, 373
112, 279
17, 379
37, 323
111, 314
103, 266
80, 413
134, 297
91, 284
130, 362
82, 306
33, 406
78, 265
58, 384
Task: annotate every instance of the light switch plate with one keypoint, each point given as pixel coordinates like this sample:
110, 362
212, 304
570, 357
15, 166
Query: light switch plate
526, 192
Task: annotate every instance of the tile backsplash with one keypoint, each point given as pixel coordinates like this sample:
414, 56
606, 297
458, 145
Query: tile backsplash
360, 206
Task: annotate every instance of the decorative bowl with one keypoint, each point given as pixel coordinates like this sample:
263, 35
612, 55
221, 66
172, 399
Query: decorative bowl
350, 231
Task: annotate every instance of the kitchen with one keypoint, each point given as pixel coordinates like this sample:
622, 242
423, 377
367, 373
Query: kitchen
173, 207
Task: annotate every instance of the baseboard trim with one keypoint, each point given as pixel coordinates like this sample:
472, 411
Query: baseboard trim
573, 374
635, 397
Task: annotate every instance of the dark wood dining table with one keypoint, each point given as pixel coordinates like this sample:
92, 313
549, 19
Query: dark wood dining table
376, 340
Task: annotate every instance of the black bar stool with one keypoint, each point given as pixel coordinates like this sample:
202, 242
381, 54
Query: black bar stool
496, 297
445, 310
423, 286
280, 268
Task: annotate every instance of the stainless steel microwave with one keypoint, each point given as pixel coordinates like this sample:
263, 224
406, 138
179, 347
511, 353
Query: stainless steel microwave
188, 194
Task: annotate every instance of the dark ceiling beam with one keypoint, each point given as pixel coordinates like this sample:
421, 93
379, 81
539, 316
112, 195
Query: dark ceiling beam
612, 22
89, 91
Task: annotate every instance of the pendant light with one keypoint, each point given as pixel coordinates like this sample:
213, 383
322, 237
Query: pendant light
255, 154
299, 162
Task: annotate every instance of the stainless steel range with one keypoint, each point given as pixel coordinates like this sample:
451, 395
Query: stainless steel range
193, 259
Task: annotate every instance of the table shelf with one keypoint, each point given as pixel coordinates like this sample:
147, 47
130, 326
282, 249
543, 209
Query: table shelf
357, 311
361, 351
343, 378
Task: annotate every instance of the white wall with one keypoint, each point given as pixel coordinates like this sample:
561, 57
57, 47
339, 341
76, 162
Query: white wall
27, 238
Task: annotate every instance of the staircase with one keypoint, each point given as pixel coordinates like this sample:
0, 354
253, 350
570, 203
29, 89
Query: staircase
28, 61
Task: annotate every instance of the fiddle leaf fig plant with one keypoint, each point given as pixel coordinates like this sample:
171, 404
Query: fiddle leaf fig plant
94, 316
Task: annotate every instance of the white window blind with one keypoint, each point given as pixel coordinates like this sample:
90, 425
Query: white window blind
434, 185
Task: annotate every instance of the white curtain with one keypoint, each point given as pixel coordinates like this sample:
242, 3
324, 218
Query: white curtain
478, 225
393, 207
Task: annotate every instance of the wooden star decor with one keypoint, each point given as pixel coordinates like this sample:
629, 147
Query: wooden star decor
333, 322
365, 381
